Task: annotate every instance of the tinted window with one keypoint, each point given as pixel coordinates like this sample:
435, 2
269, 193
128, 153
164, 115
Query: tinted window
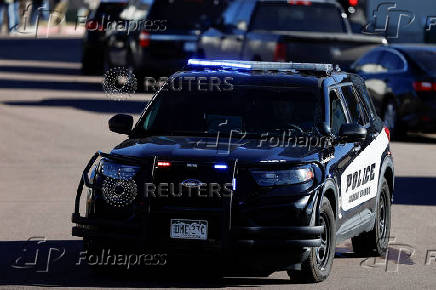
362, 92
186, 14
357, 113
391, 62
286, 17
249, 109
337, 113
369, 63
425, 58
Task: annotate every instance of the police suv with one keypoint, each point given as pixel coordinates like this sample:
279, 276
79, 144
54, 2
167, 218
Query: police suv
265, 165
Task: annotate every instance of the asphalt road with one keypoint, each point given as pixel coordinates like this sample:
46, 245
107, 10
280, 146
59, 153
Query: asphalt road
52, 120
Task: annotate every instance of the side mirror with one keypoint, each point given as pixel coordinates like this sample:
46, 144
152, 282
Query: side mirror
352, 133
121, 124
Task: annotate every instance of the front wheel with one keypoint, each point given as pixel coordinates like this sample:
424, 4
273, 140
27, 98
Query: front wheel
318, 265
376, 241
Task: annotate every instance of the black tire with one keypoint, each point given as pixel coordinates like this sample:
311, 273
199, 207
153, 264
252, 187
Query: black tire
317, 267
375, 242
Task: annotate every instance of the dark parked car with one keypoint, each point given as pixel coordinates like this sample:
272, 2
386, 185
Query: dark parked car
277, 206
168, 40
98, 24
402, 81
299, 31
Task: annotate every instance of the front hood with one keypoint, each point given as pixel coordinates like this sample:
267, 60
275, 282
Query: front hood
205, 149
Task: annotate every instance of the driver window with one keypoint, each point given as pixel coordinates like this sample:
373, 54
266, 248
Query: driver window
337, 113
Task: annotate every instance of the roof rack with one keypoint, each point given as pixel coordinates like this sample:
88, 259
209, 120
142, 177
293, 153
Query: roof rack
264, 65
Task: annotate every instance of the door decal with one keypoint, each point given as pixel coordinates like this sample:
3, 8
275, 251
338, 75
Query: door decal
359, 182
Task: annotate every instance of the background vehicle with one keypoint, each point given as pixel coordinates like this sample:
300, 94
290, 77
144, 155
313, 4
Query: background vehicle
300, 31
402, 81
94, 40
356, 11
169, 39
286, 206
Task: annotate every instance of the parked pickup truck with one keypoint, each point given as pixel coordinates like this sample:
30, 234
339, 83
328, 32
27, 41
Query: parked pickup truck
285, 30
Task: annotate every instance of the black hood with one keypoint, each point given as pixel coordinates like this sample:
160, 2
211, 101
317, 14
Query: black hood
205, 149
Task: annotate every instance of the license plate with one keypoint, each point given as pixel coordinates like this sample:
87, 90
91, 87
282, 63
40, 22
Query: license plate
190, 46
188, 229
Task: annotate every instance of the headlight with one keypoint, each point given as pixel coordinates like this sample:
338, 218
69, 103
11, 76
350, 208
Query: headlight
118, 188
116, 170
283, 177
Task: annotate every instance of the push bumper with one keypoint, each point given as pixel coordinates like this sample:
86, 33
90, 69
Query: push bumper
231, 236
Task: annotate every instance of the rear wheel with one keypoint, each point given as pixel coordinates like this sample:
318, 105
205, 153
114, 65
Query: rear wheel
376, 241
318, 265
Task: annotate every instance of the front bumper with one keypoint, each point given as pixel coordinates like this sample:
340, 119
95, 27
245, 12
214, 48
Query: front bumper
150, 228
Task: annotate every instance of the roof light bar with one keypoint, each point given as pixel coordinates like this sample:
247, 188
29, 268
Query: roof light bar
220, 63
263, 65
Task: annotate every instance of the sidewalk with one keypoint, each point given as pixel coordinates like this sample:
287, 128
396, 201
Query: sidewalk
44, 31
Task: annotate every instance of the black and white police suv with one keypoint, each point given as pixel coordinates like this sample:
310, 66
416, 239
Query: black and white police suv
264, 165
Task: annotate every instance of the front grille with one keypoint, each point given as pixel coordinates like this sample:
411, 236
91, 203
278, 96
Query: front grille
175, 190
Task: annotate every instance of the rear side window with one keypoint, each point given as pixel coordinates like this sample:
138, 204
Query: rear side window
187, 14
369, 63
319, 17
362, 93
337, 113
390, 61
357, 112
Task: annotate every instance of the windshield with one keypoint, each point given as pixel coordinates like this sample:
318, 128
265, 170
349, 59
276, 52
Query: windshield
425, 58
286, 17
111, 10
251, 110
186, 14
